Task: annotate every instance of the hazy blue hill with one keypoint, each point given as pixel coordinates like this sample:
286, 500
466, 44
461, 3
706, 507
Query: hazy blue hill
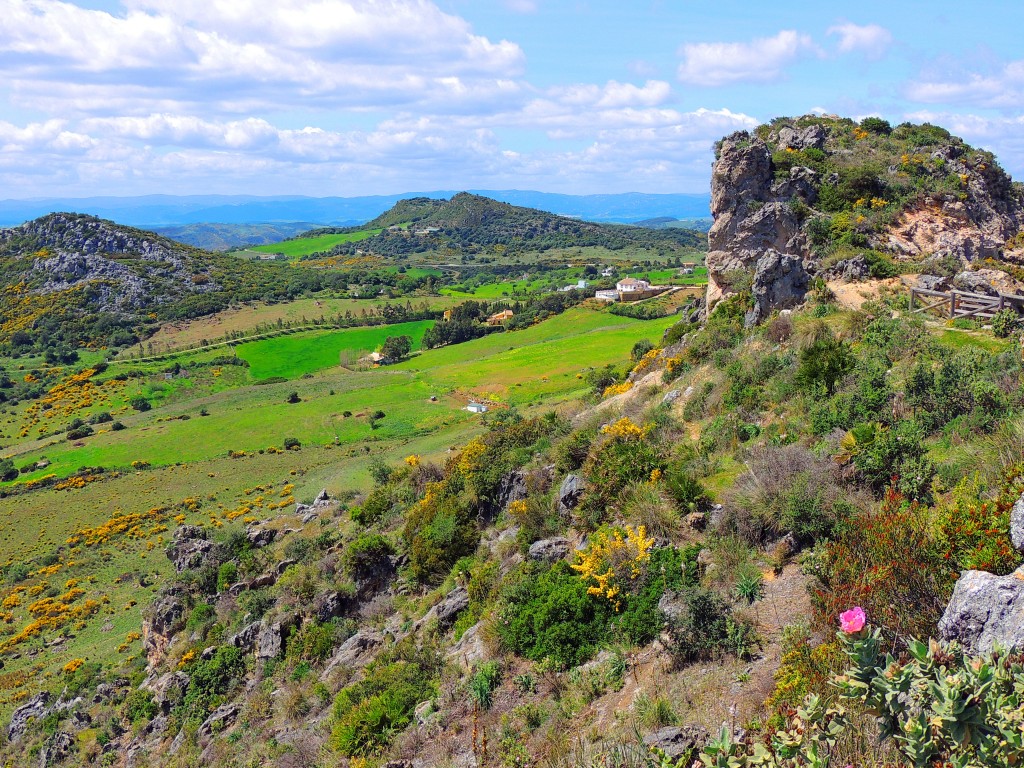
152, 211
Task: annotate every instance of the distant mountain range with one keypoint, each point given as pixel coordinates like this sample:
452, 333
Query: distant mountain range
164, 211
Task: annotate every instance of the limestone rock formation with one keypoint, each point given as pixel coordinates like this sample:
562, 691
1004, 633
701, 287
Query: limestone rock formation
985, 611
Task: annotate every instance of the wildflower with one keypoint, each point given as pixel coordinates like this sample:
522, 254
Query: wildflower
853, 620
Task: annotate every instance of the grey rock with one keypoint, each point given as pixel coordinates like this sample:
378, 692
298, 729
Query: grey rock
32, 710
673, 605
309, 517
263, 580
270, 641
322, 499
671, 396
512, 488
331, 605
933, 283
246, 637
56, 750
169, 689
1017, 524
161, 621
985, 611
423, 711
189, 548
678, 740
355, 652
220, 719
260, 537
780, 282
446, 611
848, 270
811, 137
470, 649
549, 550
570, 492
283, 566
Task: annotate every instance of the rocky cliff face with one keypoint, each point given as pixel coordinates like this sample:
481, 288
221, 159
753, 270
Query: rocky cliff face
801, 197
121, 266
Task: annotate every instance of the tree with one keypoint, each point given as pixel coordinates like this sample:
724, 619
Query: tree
293, 397
140, 403
7, 470
396, 347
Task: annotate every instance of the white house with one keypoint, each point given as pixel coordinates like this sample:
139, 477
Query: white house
631, 285
607, 295
476, 408
608, 272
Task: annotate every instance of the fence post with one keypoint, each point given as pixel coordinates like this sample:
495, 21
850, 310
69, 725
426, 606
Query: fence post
1001, 304
911, 299
952, 304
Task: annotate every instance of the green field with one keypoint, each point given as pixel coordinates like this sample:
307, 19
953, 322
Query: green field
292, 356
537, 365
304, 246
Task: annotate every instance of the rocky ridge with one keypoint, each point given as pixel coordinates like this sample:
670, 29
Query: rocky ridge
914, 192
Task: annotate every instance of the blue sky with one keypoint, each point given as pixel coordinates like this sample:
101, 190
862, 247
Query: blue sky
352, 97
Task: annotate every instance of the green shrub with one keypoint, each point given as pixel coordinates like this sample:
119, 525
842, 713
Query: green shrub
1004, 323
485, 679
8, 471
227, 575
706, 629
200, 614
293, 397
366, 553
550, 614
368, 714
140, 403
292, 443
139, 706
573, 450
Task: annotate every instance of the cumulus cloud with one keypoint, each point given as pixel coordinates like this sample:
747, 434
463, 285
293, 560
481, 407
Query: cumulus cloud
1001, 88
238, 53
871, 40
761, 60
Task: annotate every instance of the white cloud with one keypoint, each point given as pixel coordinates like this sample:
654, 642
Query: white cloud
1001, 89
871, 40
521, 6
761, 60
230, 54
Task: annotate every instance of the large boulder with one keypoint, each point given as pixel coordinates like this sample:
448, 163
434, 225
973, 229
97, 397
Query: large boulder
570, 492
260, 537
271, 639
986, 611
355, 652
780, 282
246, 637
190, 548
446, 611
32, 710
169, 689
811, 137
57, 749
1017, 525
549, 550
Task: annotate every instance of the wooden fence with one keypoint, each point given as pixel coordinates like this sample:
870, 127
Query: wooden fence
953, 304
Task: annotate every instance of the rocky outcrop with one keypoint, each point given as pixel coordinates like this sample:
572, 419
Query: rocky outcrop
446, 611
570, 493
121, 266
780, 282
549, 550
34, 709
190, 548
991, 282
161, 621
752, 214
986, 611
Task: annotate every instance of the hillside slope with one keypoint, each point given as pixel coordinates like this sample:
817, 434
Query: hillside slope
469, 222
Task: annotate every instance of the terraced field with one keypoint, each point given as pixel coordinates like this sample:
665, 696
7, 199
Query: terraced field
304, 246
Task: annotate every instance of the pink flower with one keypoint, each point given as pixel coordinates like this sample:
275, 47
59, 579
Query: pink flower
853, 620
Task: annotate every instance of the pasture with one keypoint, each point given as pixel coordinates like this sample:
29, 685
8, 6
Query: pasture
304, 246
294, 355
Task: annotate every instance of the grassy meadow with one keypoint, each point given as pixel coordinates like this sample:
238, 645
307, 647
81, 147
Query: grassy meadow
292, 356
304, 246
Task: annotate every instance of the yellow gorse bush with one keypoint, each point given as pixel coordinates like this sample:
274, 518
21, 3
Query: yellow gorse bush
625, 429
613, 561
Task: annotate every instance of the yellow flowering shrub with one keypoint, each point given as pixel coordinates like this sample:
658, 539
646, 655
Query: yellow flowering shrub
614, 560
